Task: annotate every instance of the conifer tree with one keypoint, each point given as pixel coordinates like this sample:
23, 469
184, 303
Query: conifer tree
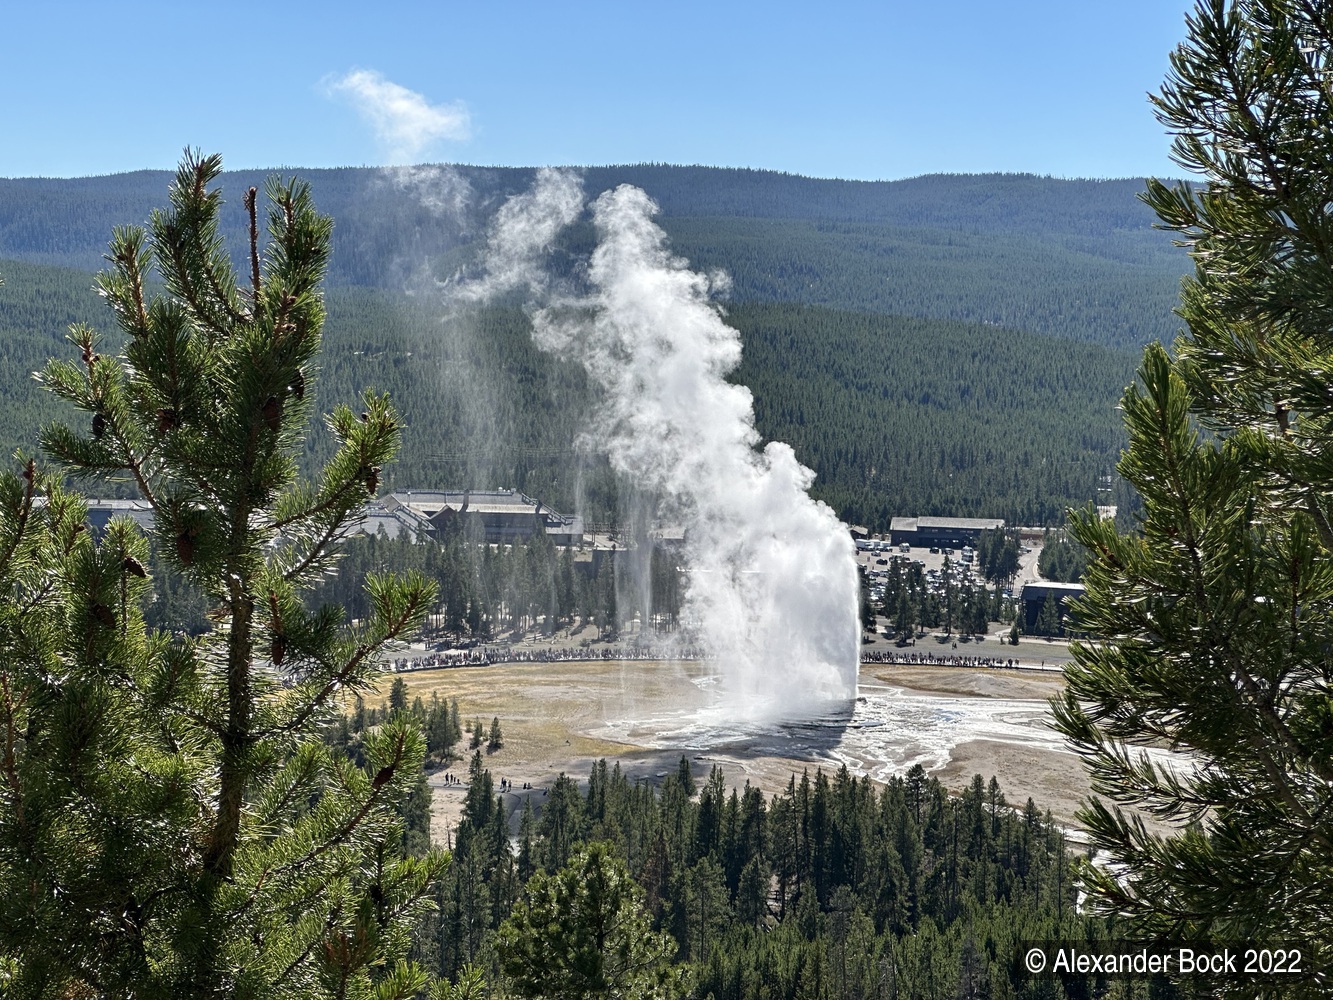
1215, 615
583, 932
904, 621
172, 824
398, 696
1048, 622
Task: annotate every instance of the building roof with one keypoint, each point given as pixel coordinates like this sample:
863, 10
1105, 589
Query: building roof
1051, 587
401, 520
497, 508
120, 505
100, 512
431, 502
945, 523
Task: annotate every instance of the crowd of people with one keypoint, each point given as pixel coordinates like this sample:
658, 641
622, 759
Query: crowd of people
937, 659
487, 656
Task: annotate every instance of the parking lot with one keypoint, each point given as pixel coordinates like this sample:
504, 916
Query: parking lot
878, 558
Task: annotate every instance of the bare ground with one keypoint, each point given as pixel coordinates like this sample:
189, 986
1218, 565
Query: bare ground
562, 717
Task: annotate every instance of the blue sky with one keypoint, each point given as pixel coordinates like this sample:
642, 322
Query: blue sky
861, 90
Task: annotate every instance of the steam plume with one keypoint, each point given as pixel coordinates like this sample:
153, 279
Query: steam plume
772, 589
441, 190
524, 229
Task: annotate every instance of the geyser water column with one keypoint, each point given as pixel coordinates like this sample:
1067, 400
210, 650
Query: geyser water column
772, 588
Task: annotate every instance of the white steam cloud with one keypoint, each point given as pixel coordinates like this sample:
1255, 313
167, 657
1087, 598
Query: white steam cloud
525, 228
405, 123
440, 190
772, 589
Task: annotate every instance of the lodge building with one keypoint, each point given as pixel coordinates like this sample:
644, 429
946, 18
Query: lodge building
944, 532
497, 517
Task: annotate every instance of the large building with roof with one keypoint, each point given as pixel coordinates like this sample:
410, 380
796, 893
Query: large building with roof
492, 516
945, 532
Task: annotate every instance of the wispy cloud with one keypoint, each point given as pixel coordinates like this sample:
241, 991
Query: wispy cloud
405, 123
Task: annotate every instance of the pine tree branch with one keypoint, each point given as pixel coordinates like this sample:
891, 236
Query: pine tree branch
304, 956
1321, 523
24, 512
184, 281
135, 466
1315, 20
214, 283
236, 738
1257, 703
251, 210
334, 501
345, 831
125, 246
296, 785
318, 551
339, 679
36, 599
11, 707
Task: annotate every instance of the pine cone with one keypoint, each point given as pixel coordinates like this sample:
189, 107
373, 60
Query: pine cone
272, 412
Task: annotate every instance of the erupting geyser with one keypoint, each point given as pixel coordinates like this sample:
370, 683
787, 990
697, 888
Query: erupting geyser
772, 588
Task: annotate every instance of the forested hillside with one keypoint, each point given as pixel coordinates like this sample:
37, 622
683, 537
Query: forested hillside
895, 415
904, 416
37, 307
1075, 259
832, 889
897, 334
